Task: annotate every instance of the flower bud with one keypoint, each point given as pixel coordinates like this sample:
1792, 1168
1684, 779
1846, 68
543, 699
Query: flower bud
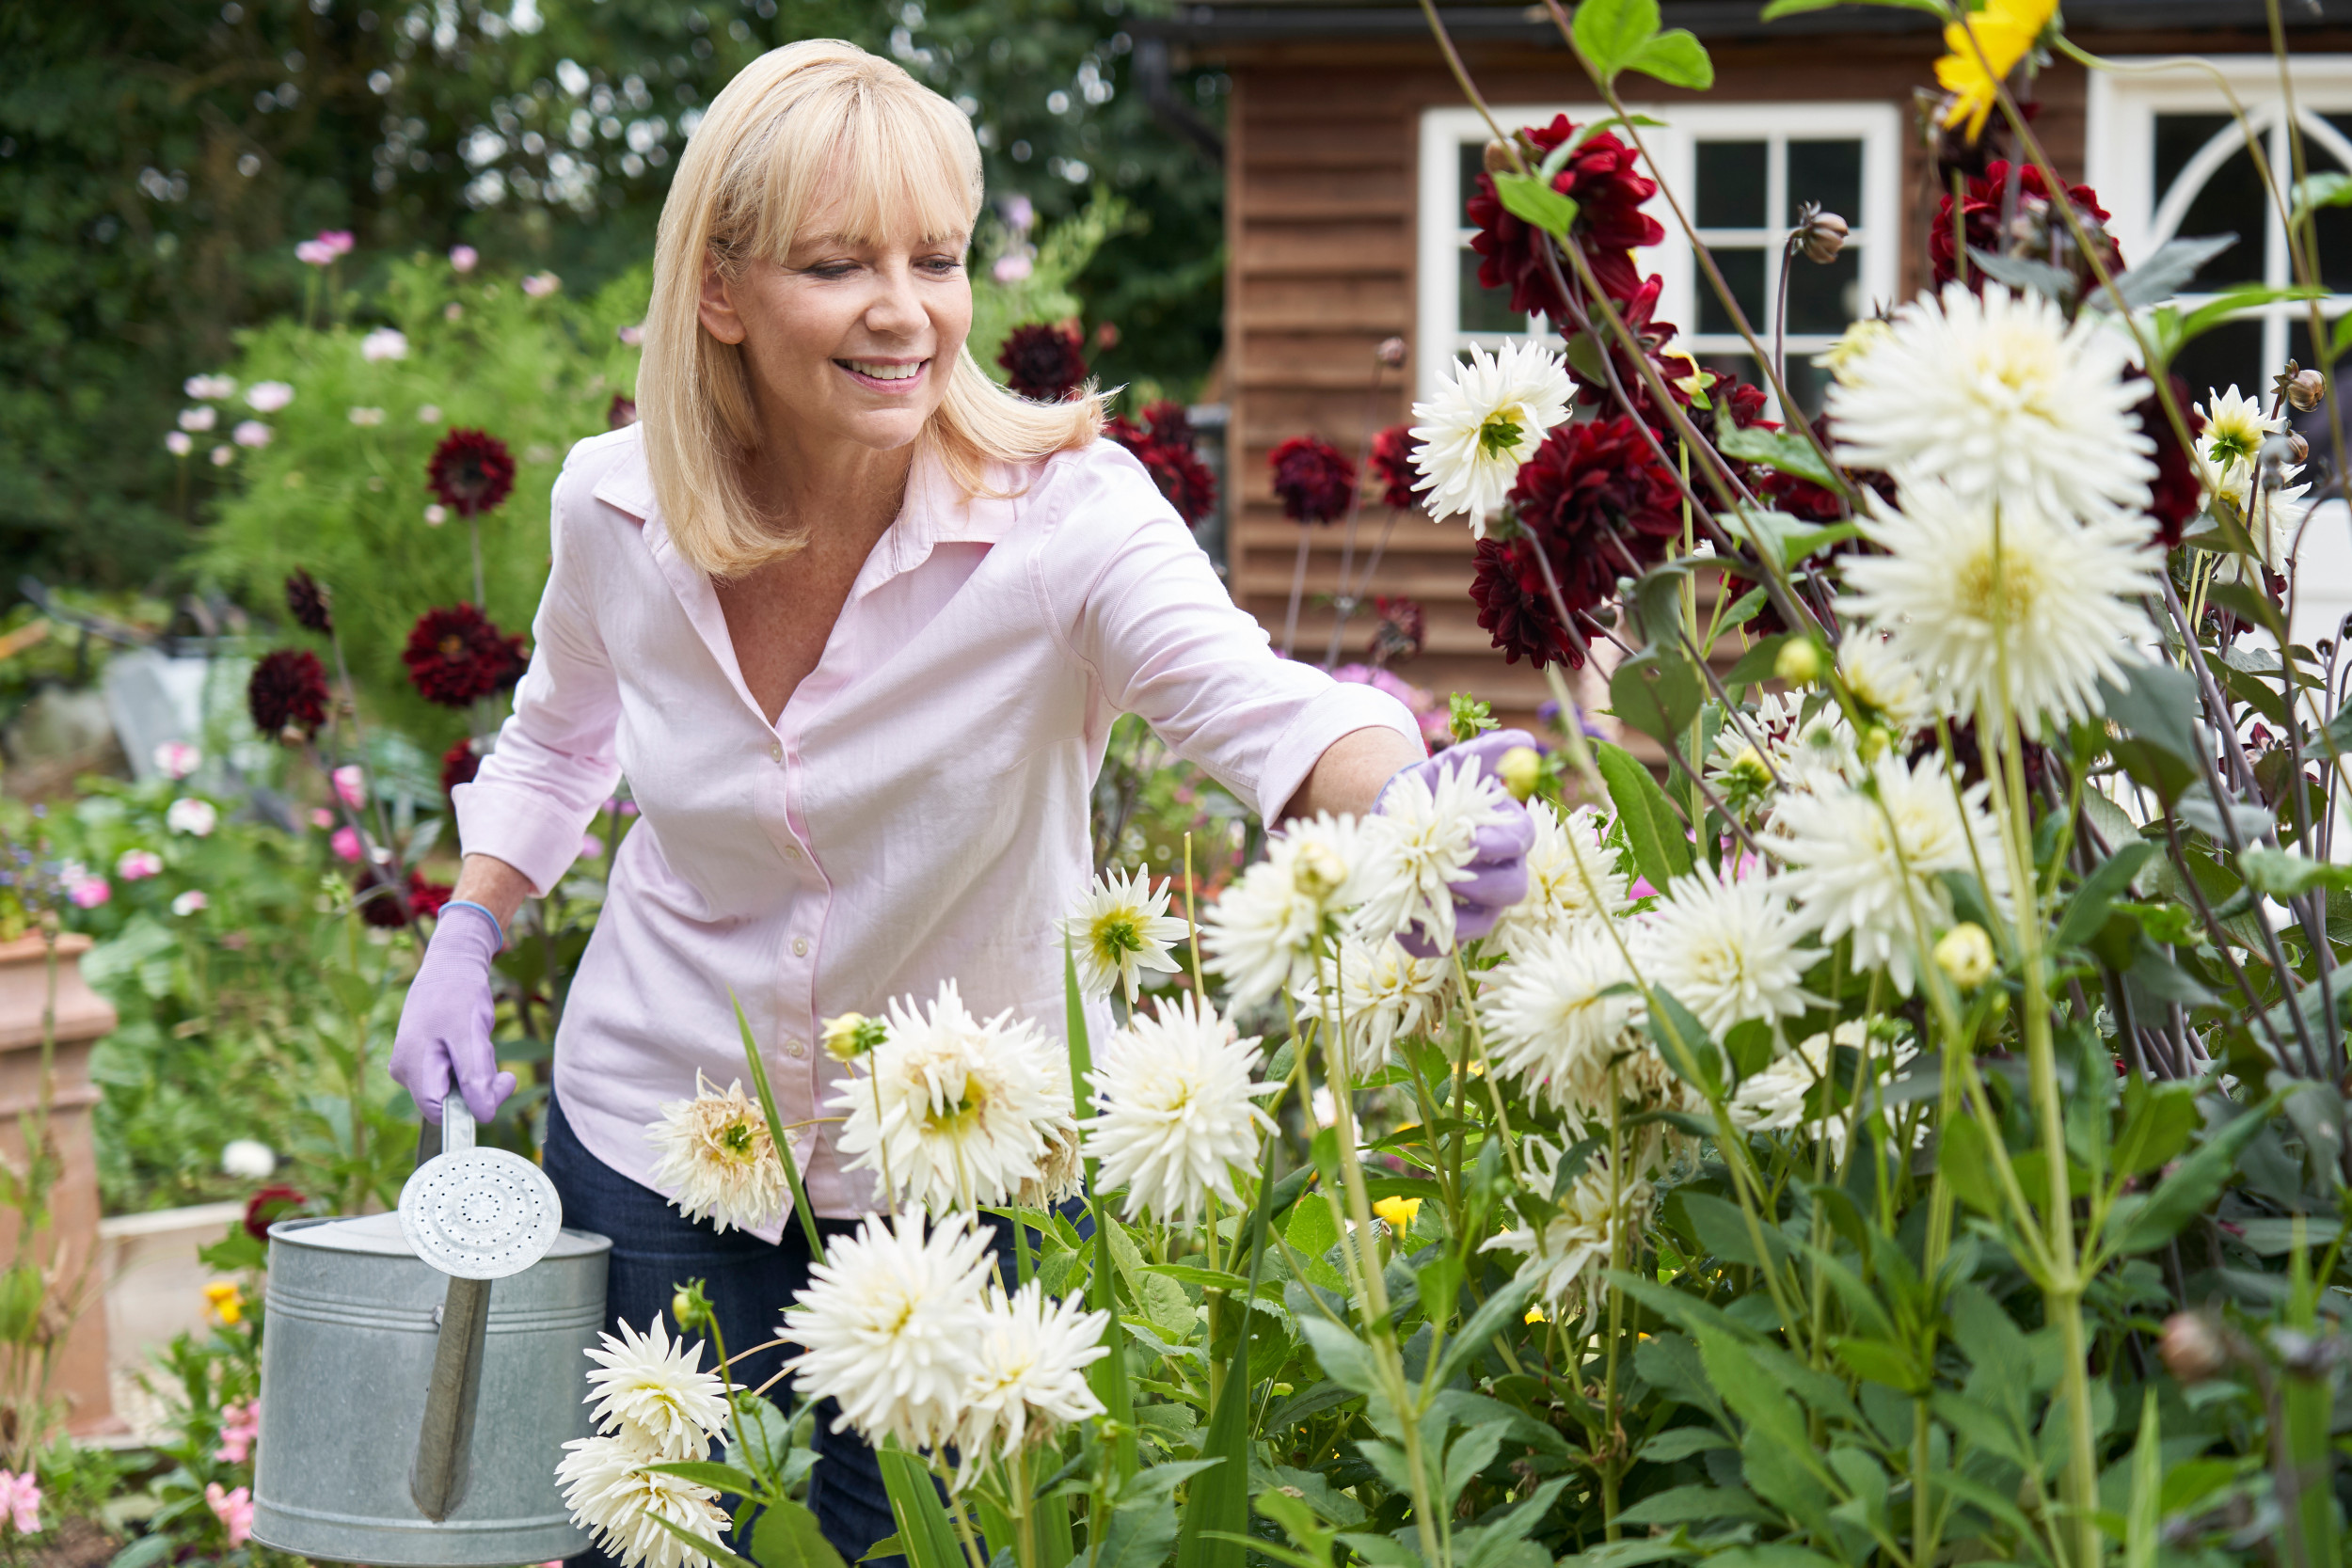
1820, 236
1964, 953
1495, 159
1521, 768
1319, 870
2307, 391
851, 1036
1799, 662
2299, 448
1390, 352
2192, 1352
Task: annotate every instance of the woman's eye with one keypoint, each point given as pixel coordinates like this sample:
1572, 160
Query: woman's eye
832, 270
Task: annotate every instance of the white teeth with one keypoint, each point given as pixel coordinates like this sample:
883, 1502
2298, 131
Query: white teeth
885, 372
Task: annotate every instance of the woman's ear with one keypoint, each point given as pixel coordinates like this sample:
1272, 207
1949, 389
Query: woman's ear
717, 306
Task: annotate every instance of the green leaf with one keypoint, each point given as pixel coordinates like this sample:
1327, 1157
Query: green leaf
1721, 1229
788, 1536
2145, 1513
2157, 706
1681, 1443
1685, 1043
777, 1132
704, 1544
2159, 277
1675, 57
1107, 1376
2110, 880
1693, 1505
1756, 664
924, 1528
722, 1478
1779, 8
2195, 1182
1966, 1163
1506, 1306
2329, 188
1610, 34
1533, 203
1777, 449
2157, 1124
1216, 1513
1657, 692
1662, 850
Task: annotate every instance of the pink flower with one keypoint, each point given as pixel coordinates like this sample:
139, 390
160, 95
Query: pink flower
177, 443
541, 284
20, 1497
240, 1424
351, 785
138, 865
631, 335
190, 903
337, 240
234, 1510
591, 846
1012, 268
346, 845
463, 257
90, 892
322, 817
176, 759
251, 432
314, 253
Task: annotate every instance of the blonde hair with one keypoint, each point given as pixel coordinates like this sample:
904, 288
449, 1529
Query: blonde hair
762, 154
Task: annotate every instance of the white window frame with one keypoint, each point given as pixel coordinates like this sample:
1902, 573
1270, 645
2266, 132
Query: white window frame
1673, 150
2119, 159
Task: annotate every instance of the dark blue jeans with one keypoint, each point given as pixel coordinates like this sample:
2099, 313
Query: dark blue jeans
751, 1283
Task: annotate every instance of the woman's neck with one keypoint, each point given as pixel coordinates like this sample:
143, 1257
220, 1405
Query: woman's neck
805, 489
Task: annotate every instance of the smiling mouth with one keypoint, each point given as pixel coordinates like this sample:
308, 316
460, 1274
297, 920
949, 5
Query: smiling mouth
872, 369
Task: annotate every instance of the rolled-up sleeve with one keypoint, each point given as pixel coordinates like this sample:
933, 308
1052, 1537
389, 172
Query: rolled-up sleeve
554, 765
1144, 611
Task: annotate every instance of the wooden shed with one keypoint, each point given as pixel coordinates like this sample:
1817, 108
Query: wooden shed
1349, 149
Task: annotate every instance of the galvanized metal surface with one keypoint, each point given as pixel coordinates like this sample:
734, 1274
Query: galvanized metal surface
346, 1359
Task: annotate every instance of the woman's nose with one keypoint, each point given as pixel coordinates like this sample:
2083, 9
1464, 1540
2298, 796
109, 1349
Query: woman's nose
896, 309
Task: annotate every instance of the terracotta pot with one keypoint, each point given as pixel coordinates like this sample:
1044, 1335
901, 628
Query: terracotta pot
78, 1374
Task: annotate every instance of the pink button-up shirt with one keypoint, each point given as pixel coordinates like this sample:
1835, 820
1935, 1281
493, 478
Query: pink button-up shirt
918, 812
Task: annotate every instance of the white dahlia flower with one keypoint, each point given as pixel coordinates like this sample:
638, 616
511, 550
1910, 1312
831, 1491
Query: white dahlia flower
1119, 927
1999, 398
1881, 681
1570, 878
653, 1388
1261, 935
1559, 1012
2229, 457
1727, 950
968, 1109
1488, 418
1029, 1381
1857, 865
1384, 994
717, 1162
613, 1494
1567, 1253
891, 1324
1774, 1098
1175, 1111
2036, 611
1427, 847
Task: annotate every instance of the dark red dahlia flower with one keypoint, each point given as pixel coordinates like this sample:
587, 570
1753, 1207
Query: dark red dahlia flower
457, 656
392, 901
1599, 504
1164, 444
1393, 468
471, 471
1042, 361
426, 898
287, 692
459, 764
1169, 420
2173, 498
1513, 606
1799, 497
1399, 630
308, 602
270, 1205
2041, 232
1313, 480
1609, 224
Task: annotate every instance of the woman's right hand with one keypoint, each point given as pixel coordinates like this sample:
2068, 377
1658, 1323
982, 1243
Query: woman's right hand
444, 1033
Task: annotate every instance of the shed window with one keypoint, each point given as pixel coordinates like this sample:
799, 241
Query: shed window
1743, 171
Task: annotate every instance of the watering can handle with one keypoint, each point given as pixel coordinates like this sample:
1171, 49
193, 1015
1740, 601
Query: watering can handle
457, 1125
437, 1484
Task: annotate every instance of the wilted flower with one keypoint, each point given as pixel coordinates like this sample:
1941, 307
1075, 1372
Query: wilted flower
268, 397
1043, 362
249, 1160
892, 1326
718, 1160
459, 655
1313, 480
136, 866
288, 690
252, 433
189, 815
385, 342
966, 1106
1176, 1110
1029, 1381
1488, 419
1727, 950
1118, 928
471, 471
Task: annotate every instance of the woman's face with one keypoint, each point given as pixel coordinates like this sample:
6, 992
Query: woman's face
848, 339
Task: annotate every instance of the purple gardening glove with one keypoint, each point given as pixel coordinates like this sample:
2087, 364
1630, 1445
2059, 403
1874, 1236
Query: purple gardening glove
445, 1024
1498, 851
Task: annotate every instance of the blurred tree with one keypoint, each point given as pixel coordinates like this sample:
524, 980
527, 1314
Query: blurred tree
159, 160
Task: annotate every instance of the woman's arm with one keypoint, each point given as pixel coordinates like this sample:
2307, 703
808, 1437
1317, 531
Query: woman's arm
1346, 779
487, 880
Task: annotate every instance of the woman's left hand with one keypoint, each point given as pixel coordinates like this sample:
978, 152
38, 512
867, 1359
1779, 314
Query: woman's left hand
1498, 850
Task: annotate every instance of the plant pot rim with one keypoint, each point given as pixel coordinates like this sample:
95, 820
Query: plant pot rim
70, 944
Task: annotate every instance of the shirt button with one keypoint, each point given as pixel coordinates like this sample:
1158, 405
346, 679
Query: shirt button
775, 753
795, 1049
800, 947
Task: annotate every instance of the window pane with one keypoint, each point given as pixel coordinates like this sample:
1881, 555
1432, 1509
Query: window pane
1485, 310
2229, 202
1744, 271
1825, 299
2317, 426
1829, 172
2229, 356
2333, 224
1731, 184
1473, 164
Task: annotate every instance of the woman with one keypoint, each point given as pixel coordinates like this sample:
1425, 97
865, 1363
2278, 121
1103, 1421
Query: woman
855, 621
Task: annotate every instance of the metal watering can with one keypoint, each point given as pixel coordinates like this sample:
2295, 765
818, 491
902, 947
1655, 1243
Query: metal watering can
382, 1344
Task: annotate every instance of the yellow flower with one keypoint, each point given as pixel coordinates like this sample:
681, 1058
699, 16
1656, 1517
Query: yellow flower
225, 1300
1534, 1315
2003, 31
1398, 1212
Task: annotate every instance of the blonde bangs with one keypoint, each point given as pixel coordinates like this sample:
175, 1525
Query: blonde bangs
815, 125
